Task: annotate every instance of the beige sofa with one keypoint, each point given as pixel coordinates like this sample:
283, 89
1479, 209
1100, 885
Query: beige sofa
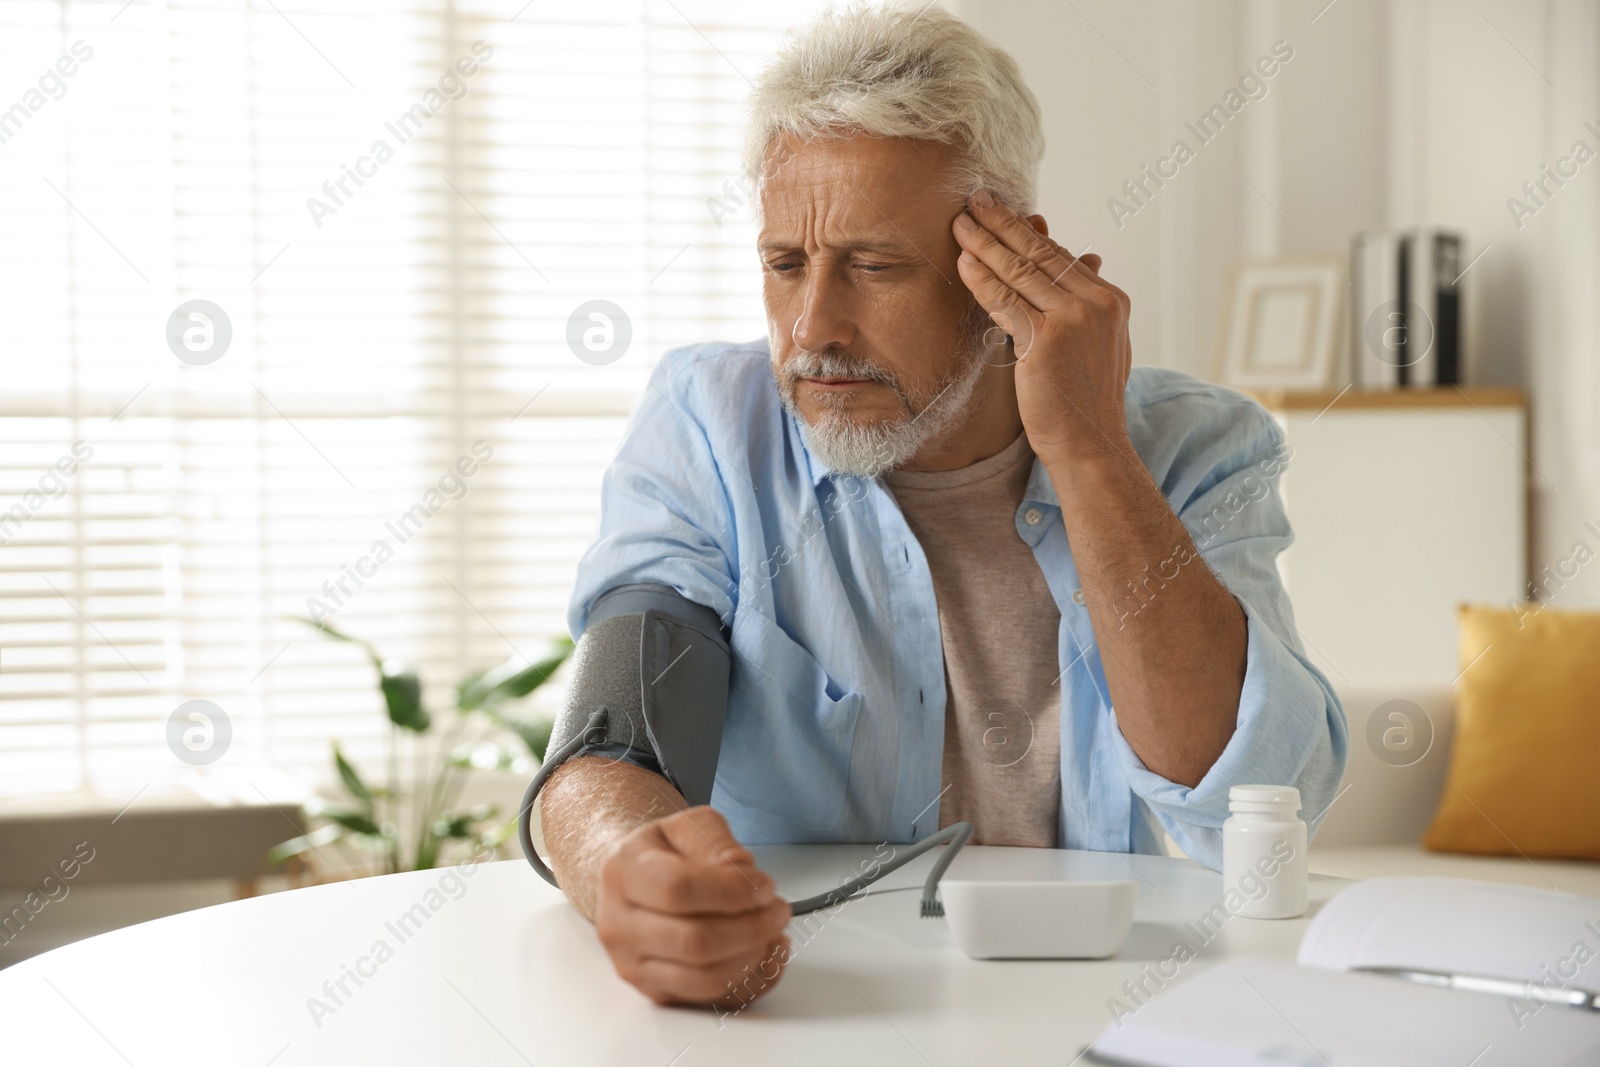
1376, 824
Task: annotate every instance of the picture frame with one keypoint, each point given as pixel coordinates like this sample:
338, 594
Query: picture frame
1281, 323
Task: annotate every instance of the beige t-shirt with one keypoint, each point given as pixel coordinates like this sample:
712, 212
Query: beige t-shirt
999, 625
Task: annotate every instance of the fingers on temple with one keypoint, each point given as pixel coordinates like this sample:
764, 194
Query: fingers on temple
1017, 234
1060, 268
1018, 272
1086, 266
1006, 307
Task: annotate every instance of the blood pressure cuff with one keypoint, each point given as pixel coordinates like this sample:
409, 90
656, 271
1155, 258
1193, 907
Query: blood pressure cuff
659, 664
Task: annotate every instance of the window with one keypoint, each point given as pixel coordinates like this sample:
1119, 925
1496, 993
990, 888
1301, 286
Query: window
397, 208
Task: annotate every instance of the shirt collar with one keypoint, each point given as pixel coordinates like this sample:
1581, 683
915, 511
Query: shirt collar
819, 473
1040, 489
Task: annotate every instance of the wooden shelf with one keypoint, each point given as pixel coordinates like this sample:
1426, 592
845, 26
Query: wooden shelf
1445, 396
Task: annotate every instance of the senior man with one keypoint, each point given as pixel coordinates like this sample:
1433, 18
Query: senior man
954, 557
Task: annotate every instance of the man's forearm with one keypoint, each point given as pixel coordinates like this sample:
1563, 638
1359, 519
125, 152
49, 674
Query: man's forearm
1172, 638
586, 808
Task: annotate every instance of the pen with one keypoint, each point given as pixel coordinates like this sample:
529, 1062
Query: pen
1575, 998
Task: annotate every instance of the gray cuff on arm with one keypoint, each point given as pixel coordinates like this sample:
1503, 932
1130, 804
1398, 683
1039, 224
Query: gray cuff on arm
660, 664
621, 753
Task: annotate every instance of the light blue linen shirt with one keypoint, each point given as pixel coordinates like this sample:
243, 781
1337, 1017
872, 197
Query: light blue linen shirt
836, 703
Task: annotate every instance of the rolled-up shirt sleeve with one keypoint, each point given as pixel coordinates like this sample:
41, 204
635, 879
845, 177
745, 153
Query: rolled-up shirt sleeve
664, 513
1291, 728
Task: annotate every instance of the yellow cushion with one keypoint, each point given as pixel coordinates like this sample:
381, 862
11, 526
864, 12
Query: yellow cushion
1525, 770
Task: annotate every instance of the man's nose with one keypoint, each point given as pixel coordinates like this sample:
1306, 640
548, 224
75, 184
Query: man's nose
824, 320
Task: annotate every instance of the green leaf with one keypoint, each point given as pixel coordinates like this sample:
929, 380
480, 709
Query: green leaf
450, 825
457, 826
305, 843
402, 692
384, 846
329, 630
512, 679
350, 820
469, 685
498, 835
487, 756
402, 689
535, 733
352, 780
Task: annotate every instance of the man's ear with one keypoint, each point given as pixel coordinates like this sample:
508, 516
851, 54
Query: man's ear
1038, 223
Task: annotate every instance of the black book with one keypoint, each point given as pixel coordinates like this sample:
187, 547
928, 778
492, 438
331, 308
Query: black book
1430, 301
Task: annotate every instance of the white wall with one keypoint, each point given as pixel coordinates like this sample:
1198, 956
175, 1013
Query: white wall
1390, 114
1119, 81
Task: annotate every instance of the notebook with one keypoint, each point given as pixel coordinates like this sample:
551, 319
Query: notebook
1520, 953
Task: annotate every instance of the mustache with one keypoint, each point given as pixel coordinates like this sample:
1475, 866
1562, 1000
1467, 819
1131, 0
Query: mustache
832, 363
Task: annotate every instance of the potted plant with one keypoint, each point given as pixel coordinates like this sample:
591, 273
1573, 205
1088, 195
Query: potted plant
398, 829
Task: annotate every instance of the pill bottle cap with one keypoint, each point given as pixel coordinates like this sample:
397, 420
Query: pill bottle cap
1264, 799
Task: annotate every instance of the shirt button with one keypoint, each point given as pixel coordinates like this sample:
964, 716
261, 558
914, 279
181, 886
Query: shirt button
1032, 516
1078, 597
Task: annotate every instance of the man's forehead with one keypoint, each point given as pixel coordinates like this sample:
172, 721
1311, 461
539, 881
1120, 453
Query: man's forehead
876, 186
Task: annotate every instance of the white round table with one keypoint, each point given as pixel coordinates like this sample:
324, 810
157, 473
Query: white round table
491, 966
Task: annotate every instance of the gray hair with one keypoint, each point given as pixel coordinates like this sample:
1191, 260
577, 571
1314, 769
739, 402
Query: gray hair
899, 72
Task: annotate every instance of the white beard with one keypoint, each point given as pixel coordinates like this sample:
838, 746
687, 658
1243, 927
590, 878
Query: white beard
847, 447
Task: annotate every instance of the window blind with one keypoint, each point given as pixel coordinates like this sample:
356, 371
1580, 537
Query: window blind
398, 208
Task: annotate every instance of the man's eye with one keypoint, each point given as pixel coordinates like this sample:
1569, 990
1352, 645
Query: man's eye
782, 268
874, 268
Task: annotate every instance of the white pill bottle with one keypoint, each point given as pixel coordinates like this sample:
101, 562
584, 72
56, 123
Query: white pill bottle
1264, 852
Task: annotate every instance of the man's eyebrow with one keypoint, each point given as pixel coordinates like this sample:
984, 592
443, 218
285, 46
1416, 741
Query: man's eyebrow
881, 246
